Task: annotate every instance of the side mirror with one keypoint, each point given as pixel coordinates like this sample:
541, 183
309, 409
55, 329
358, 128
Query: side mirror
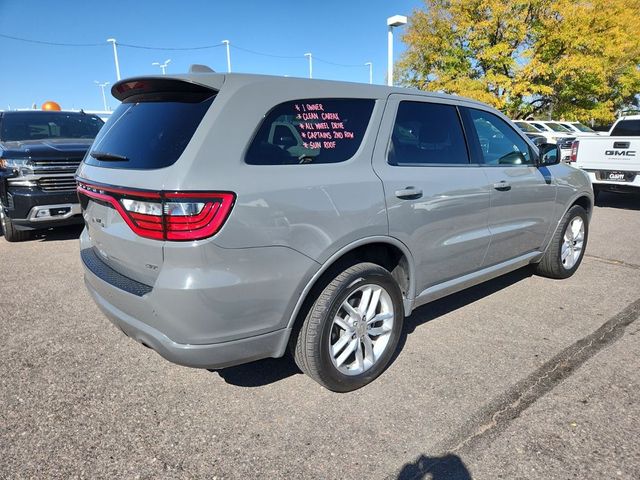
549, 154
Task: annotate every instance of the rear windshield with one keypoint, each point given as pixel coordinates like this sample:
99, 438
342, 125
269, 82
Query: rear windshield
556, 127
319, 130
582, 128
146, 135
23, 126
626, 128
525, 127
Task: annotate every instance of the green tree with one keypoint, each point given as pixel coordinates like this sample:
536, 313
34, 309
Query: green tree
579, 59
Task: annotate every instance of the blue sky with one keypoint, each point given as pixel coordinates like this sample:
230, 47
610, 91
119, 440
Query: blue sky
344, 32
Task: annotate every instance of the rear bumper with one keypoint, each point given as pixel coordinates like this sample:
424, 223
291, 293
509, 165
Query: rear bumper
217, 355
633, 186
209, 307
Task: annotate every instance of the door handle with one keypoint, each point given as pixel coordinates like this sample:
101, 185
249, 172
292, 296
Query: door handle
409, 193
503, 186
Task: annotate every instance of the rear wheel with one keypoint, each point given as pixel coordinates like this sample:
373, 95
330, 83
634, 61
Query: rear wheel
352, 329
565, 252
11, 234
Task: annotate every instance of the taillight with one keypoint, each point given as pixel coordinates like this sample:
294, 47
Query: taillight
176, 216
188, 215
574, 151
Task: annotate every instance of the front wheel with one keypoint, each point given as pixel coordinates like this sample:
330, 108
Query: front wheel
564, 253
352, 329
11, 233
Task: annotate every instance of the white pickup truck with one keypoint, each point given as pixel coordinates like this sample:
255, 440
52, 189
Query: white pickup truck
612, 161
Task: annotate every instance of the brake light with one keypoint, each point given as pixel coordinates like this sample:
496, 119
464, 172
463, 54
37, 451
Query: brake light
175, 216
201, 214
574, 151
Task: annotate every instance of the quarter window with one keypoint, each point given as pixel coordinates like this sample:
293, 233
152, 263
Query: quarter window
496, 142
427, 133
320, 130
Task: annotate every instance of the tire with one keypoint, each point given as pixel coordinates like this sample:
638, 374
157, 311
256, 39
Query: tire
552, 264
11, 233
329, 325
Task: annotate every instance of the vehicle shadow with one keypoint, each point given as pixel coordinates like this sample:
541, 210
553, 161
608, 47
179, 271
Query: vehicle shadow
264, 372
259, 373
71, 232
447, 467
54, 234
628, 201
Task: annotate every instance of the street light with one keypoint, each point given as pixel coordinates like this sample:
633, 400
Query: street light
115, 57
395, 21
163, 66
104, 98
370, 65
310, 64
226, 42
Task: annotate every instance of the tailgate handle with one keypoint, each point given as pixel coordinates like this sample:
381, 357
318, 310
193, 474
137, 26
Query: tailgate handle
621, 144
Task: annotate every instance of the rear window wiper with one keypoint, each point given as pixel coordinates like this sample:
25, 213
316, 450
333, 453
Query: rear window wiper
109, 157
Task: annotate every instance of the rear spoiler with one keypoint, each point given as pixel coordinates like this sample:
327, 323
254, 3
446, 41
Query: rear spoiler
160, 89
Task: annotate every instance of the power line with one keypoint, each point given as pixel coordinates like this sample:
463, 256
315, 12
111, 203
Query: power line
349, 65
102, 44
144, 47
147, 47
254, 52
264, 54
57, 44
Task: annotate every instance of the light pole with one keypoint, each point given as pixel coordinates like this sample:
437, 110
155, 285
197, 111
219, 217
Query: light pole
370, 65
226, 42
310, 57
395, 21
104, 98
163, 66
115, 57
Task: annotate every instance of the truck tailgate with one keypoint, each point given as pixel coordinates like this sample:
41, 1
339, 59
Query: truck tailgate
609, 153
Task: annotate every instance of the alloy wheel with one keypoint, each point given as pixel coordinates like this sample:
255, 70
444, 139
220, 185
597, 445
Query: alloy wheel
361, 329
573, 243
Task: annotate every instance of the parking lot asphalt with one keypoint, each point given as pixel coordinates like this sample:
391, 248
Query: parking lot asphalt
521, 377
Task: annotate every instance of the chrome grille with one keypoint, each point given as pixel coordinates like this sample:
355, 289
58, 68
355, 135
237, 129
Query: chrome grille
566, 142
60, 183
62, 165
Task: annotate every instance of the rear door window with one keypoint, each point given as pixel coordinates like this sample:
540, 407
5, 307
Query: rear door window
427, 133
146, 135
319, 130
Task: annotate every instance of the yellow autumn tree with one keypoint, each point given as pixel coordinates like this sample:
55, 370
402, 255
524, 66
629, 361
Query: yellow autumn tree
575, 59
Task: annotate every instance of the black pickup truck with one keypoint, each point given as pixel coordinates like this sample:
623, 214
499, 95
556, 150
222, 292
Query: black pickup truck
39, 154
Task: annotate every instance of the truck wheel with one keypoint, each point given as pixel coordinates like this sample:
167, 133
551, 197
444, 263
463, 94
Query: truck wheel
565, 252
11, 234
352, 329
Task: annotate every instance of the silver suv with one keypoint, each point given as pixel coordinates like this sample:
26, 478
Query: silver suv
230, 218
